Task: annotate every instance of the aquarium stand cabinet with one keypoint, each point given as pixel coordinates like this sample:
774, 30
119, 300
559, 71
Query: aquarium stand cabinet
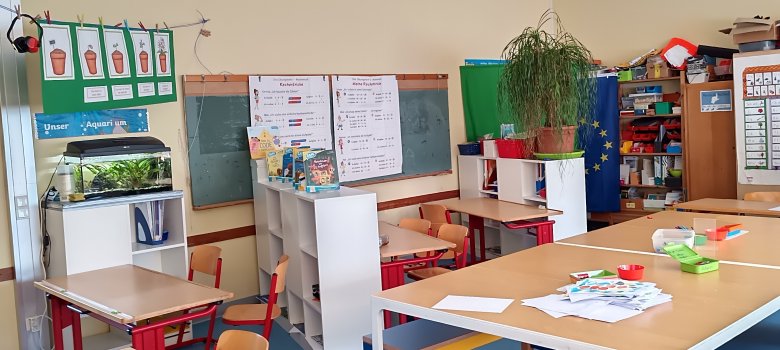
332, 240
101, 233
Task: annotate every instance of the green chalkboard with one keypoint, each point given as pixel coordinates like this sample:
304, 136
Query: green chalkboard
218, 151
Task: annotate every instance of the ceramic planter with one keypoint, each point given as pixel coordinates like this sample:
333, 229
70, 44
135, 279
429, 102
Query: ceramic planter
57, 57
91, 58
163, 62
144, 58
119, 61
549, 141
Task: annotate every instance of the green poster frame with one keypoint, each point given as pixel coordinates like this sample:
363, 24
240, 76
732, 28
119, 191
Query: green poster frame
67, 96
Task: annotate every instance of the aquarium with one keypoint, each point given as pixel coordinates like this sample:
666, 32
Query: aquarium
119, 166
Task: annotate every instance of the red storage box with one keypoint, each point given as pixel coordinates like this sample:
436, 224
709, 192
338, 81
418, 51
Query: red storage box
512, 148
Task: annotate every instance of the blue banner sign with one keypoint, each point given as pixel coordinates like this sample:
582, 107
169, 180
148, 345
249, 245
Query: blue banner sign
107, 122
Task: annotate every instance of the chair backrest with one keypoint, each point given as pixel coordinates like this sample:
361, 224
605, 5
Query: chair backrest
281, 273
458, 235
206, 259
763, 196
234, 339
420, 225
437, 214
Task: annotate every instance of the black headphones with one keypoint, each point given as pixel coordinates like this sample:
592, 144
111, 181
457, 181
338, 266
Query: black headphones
25, 43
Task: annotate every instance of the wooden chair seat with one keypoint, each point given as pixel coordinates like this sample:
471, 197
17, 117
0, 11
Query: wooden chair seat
241, 340
249, 313
421, 274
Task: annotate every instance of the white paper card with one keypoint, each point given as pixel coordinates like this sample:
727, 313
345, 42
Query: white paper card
145, 89
479, 304
122, 92
165, 88
95, 94
775, 209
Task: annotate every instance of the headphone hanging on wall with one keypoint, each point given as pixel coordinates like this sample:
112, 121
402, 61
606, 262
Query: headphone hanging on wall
24, 44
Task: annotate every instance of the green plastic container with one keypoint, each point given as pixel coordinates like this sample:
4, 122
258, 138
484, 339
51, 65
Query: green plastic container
625, 75
663, 108
689, 260
699, 240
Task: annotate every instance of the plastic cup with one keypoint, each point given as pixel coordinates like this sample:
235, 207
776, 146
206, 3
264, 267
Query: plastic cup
631, 272
716, 234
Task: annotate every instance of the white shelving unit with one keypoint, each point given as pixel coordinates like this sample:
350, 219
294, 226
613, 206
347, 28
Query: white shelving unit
331, 239
517, 183
101, 233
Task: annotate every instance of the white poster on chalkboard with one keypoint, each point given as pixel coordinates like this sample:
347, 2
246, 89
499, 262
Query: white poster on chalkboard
298, 106
367, 126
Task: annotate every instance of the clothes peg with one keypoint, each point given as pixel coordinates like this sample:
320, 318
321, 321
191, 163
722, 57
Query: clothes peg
18, 10
80, 18
100, 20
157, 27
126, 25
48, 16
140, 24
166, 26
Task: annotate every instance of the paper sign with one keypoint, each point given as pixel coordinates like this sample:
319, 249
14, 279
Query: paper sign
716, 100
145, 89
165, 88
102, 122
95, 94
479, 304
122, 92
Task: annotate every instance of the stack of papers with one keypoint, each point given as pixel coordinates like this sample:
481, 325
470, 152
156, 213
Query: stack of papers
607, 300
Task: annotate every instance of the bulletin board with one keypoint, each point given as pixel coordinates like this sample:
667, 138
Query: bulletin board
87, 67
217, 114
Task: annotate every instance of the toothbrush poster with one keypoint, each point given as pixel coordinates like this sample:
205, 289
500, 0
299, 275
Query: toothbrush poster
367, 126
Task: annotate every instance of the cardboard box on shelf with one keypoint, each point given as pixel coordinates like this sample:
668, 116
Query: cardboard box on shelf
631, 204
747, 30
658, 70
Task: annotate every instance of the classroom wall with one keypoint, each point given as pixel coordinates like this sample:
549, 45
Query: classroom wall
616, 31
275, 37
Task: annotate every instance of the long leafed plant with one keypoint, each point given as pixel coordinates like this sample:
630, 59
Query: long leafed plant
548, 79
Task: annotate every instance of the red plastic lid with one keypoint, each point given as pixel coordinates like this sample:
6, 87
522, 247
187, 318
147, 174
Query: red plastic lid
676, 57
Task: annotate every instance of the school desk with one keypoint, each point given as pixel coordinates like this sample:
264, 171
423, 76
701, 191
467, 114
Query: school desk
123, 297
407, 242
731, 206
758, 246
706, 310
482, 208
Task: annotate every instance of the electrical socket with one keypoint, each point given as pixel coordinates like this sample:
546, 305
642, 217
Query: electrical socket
34, 324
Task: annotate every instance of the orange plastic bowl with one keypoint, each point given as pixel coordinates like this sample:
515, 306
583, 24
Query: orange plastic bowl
716, 234
631, 272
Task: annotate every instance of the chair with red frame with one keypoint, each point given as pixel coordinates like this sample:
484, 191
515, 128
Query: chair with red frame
437, 214
204, 259
260, 314
456, 234
241, 340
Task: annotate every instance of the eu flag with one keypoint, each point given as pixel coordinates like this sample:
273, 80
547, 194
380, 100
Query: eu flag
602, 155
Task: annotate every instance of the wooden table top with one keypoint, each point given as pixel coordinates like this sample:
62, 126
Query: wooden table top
731, 206
129, 293
702, 305
495, 209
758, 246
406, 242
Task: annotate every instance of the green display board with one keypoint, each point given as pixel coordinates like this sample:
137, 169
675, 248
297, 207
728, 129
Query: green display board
479, 86
218, 150
87, 67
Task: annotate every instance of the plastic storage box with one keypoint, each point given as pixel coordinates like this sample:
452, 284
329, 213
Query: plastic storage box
512, 148
663, 237
758, 46
690, 261
469, 149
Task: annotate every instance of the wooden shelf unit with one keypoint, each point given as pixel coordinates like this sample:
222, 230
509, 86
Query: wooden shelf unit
651, 80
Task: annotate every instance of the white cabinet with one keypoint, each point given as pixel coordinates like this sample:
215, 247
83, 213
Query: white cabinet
331, 239
517, 181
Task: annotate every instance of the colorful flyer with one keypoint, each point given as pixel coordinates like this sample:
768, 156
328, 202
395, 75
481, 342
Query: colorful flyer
367, 126
298, 106
261, 140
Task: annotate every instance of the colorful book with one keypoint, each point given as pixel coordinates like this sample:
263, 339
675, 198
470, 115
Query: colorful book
321, 171
274, 163
287, 163
261, 140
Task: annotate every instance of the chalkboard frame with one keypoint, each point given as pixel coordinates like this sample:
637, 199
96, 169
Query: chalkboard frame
237, 85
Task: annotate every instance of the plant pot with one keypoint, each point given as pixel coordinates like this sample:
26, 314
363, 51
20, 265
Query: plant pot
91, 58
550, 140
163, 62
119, 61
144, 58
57, 57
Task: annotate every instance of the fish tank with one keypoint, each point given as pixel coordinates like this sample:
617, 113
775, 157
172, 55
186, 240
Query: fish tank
119, 166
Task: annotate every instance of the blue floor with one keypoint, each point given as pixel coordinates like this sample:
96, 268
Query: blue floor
280, 339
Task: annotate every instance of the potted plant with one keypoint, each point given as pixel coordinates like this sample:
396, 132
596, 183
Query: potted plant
548, 85
162, 55
91, 58
143, 57
57, 57
119, 59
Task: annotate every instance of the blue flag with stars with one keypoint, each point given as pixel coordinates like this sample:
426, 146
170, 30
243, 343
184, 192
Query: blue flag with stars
602, 155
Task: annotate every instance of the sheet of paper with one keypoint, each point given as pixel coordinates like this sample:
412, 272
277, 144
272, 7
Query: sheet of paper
298, 106
480, 304
775, 209
366, 126
598, 310
740, 233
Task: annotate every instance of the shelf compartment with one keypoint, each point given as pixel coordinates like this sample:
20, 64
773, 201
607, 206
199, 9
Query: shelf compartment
650, 154
310, 249
140, 248
277, 231
273, 208
295, 308
647, 186
650, 80
675, 115
313, 326
495, 193
535, 198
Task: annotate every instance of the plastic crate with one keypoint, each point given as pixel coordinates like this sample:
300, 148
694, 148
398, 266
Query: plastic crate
469, 149
512, 148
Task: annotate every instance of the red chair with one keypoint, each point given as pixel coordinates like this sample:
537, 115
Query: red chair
455, 234
544, 229
260, 314
204, 259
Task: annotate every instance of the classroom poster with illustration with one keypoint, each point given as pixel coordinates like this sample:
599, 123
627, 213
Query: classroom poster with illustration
116, 52
162, 57
298, 106
57, 52
367, 126
90, 52
142, 58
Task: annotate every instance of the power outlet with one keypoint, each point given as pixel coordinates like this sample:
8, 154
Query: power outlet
34, 324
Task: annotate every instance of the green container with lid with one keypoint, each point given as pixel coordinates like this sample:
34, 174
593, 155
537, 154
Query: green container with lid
690, 261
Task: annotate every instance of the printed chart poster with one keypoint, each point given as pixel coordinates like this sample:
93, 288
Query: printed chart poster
298, 106
716, 100
116, 53
162, 45
90, 52
57, 52
367, 126
142, 46
104, 122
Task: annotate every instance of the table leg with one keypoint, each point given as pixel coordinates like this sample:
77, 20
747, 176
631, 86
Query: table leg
62, 317
151, 339
377, 327
76, 326
477, 223
56, 321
